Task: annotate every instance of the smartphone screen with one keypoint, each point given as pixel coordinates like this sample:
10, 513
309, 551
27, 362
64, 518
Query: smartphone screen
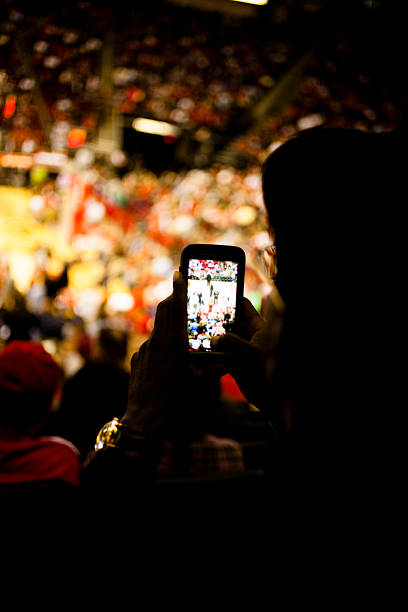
211, 300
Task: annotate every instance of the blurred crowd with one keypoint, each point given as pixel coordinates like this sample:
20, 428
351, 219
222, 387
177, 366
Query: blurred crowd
127, 235
50, 66
194, 70
345, 83
167, 62
125, 225
205, 74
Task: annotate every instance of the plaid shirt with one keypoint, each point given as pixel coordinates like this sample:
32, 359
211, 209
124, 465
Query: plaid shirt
207, 455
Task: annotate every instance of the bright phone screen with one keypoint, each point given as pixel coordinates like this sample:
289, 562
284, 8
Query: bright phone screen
211, 300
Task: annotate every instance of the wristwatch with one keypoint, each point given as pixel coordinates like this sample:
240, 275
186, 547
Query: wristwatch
118, 435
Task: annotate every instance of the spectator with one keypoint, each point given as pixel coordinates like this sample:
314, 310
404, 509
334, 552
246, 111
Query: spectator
337, 359
16, 316
96, 393
30, 381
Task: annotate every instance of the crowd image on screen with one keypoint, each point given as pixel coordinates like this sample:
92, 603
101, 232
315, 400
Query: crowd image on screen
211, 295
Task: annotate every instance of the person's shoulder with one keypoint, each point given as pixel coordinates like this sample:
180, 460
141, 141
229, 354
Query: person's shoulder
80, 373
91, 369
57, 444
57, 459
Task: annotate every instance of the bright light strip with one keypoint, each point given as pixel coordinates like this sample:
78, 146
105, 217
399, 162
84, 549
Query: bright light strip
151, 126
259, 2
48, 158
16, 160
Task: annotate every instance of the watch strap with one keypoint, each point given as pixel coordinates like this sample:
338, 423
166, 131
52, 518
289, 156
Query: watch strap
116, 434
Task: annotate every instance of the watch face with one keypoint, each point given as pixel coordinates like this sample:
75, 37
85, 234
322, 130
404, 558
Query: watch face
108, 435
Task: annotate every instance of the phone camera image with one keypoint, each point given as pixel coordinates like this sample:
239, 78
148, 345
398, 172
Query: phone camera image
211, 300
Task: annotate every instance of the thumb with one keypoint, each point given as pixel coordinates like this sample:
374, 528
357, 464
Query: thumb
245, 363
234, 345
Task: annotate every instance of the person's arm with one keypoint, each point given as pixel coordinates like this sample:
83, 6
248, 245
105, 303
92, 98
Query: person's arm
160, 378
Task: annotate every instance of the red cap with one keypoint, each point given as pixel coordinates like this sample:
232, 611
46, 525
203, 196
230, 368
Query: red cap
26, 366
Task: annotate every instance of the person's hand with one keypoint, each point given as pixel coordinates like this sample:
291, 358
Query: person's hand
252, 359
160, 373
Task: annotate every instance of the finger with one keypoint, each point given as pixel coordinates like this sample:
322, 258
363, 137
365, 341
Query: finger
252, 319
138, 356
162, 317
179, 307
231, 343
133, 361
179, 299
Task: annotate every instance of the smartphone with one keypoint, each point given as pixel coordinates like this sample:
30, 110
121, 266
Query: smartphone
214, 276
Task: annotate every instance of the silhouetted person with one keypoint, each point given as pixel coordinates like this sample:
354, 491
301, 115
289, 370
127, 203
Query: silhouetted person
22, 323
324, 364
333, 201
96, 393
30, 380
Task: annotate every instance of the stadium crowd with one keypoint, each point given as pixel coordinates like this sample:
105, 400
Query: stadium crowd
194, 70
51, 65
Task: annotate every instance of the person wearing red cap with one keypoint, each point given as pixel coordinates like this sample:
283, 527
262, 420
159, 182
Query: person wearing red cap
30, 381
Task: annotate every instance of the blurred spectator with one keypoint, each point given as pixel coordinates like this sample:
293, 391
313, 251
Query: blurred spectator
50, 321
30, 381
96, 393
16, 320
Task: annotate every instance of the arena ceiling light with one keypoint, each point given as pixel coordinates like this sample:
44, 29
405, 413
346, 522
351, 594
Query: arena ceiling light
258, 2
151, 126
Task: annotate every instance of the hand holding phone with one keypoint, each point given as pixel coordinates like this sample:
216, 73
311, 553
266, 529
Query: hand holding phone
214, 276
